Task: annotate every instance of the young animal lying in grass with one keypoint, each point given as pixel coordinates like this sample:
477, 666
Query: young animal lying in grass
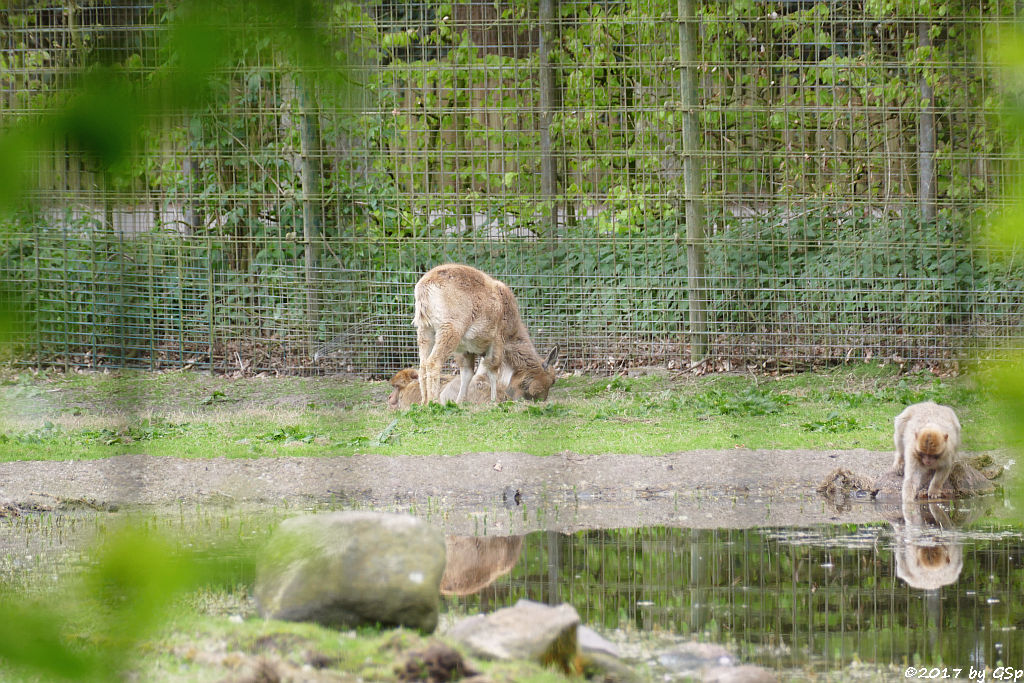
406, 390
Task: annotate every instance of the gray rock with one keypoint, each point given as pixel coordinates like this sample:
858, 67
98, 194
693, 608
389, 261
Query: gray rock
964, 480
690, 658
592, 641
528, 630
601, 659
599, 667
712, 663
739, 674
345, 569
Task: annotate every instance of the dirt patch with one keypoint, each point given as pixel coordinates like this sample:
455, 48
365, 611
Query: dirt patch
570, 491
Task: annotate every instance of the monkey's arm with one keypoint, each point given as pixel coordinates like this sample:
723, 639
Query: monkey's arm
898, 432
912, 479
939, 478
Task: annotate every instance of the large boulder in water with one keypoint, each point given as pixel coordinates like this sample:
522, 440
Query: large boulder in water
345, 569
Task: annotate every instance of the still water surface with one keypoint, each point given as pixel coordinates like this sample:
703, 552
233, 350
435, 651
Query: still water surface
819, 600
814, 599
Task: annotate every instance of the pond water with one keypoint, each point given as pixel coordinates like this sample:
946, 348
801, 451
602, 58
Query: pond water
818, 602
807, 599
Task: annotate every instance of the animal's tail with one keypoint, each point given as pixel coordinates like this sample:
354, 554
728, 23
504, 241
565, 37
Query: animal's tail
419, 318
931, 441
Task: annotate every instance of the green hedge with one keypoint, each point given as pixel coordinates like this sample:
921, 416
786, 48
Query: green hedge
809, 286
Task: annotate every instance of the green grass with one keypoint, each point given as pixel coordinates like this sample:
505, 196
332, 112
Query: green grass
82, 416
367, 654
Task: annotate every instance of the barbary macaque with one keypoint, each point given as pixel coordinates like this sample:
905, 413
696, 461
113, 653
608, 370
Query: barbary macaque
406, 390
927, 437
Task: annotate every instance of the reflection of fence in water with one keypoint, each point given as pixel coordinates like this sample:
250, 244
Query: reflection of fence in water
787, 598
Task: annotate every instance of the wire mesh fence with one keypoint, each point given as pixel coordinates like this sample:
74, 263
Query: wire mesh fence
772, 184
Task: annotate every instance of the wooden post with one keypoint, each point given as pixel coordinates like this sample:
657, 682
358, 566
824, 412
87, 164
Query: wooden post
692, 180
309, 140
193, 207
549, 103
212, 299
926, 132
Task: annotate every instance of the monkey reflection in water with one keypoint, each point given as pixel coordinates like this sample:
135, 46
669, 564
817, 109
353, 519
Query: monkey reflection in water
924, 559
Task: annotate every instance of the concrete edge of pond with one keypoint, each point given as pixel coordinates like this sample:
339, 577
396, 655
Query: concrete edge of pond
508, 492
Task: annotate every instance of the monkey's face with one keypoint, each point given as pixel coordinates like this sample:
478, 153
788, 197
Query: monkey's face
930, 448
928, 460
399, 382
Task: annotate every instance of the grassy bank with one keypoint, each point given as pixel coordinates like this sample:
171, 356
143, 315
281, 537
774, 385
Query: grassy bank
93, 415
